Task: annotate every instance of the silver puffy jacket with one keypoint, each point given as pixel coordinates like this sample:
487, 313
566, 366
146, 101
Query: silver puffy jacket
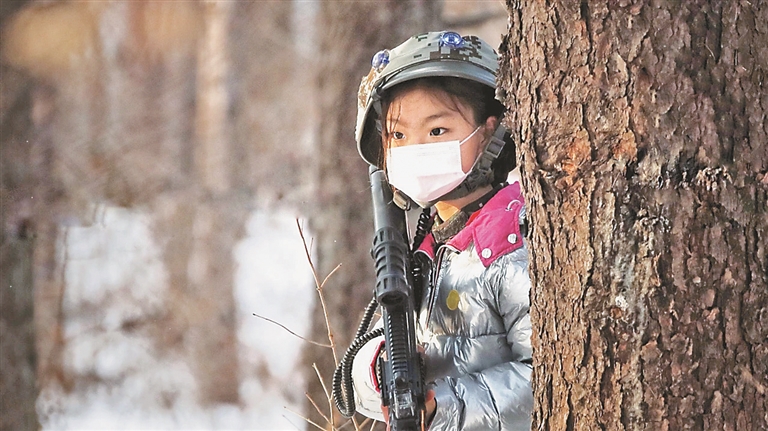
474, 323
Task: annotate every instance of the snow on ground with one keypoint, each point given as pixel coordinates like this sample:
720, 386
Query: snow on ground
274, 281
114, 276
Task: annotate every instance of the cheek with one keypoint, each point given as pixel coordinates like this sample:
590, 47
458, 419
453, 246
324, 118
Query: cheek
470, 151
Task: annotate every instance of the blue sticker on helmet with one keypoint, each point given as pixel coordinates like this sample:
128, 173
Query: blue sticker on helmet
451, 39
380, 59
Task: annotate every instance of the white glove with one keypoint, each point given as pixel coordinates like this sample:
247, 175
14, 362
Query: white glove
365, 381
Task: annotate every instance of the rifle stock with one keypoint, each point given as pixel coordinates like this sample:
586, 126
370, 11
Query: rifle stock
402, 386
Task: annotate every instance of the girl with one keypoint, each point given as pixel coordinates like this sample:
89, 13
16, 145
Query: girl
428, 116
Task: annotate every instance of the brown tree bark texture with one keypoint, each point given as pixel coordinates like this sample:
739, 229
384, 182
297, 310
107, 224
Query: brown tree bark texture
642, 133
351, 32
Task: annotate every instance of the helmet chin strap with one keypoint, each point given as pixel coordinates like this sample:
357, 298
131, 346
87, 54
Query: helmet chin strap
481, 173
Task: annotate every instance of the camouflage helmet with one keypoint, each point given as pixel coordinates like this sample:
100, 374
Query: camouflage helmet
444, 53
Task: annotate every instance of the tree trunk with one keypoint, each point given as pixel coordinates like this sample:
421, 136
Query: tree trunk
115, 126
212, 101
216, 225
642, 136
18, 362
351, 33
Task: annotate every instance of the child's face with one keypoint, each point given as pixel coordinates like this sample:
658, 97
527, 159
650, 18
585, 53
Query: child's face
421, 115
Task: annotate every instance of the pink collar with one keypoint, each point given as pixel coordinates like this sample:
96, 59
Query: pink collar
494, 229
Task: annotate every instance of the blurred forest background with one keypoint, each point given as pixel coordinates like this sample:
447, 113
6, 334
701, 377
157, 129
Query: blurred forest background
156, 161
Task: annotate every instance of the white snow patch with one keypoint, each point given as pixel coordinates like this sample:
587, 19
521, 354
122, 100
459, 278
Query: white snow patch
114, 276
274, 281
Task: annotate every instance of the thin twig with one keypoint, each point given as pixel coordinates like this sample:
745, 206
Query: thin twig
306, 419
306, 251
322, 382
319, 287
358, 427
329, 275
292, 333
320, 290
327, 319
325, 314
330, 403
314, 404
289, 421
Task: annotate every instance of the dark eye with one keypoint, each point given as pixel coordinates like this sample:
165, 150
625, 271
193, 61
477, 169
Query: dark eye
437, 131
397, 135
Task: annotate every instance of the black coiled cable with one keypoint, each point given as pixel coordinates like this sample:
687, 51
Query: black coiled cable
342, 376
423, 226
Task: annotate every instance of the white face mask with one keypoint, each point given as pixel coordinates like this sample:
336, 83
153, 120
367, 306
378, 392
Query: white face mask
426, 172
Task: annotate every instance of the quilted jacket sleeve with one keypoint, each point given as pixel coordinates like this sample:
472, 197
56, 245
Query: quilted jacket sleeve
499, 397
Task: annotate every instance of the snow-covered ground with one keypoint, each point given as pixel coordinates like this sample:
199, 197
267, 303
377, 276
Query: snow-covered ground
114, 275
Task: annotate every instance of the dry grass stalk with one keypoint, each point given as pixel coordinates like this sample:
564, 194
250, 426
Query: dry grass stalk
329, 418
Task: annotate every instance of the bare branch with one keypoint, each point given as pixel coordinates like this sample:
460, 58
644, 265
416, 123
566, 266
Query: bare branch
291, 332
320, 291
307, 253
358, 427
330, 274
317, 408
322, 382
305, 418
289, 421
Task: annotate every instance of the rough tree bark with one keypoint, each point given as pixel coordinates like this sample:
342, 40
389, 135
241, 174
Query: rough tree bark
351, 32
642, 133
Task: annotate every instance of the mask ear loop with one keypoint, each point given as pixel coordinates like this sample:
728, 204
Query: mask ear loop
481, 173
470, 137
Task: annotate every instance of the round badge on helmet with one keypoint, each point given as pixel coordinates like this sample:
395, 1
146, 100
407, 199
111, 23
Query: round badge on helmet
451, 39
380, 59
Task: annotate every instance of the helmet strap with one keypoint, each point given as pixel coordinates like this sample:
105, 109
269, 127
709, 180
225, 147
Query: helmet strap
481, 173
376, 105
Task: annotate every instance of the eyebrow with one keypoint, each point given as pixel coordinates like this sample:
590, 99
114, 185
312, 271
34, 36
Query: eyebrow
433, 117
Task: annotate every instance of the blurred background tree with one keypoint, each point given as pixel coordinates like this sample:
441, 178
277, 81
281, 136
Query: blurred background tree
342, 219
18, 386
138, 140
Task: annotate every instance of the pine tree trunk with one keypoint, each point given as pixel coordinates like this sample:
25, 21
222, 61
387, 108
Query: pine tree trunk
351, 32
642, 135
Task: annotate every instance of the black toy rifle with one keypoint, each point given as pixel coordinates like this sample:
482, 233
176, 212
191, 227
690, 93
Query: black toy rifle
402, 385
400, 374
